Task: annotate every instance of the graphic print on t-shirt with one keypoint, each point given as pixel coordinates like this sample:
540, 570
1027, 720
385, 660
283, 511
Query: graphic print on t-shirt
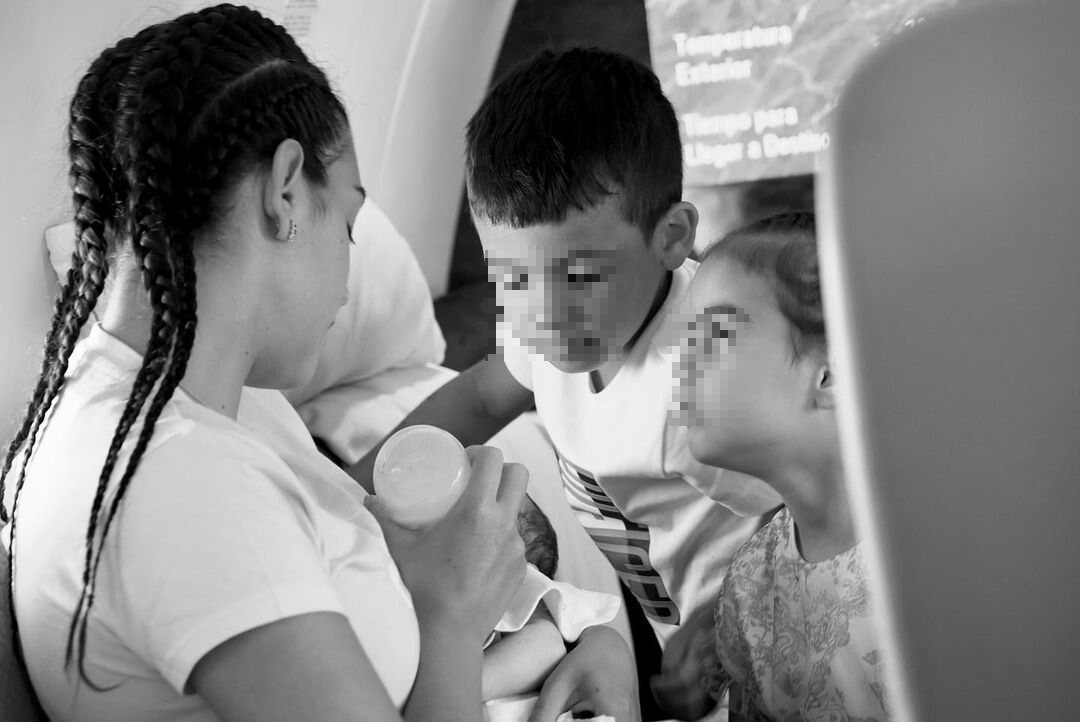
625, 543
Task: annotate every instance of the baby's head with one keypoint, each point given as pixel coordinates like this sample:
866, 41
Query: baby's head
754, 381
574, 175
541, 544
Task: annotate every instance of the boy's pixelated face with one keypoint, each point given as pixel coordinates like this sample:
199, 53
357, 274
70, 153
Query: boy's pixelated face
574, 292
737, 388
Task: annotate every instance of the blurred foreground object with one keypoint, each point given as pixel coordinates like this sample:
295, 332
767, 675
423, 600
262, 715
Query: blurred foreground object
950, 260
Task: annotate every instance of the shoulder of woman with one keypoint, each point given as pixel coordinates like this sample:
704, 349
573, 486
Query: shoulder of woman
208, 460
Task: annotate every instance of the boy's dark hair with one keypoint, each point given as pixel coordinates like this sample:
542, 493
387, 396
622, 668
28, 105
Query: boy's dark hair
783, 249
541, 543
567, 129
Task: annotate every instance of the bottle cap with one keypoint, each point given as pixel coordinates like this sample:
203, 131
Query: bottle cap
419, 473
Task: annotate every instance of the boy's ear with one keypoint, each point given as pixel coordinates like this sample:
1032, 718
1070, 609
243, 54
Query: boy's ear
823, 388
281, 186
673, 237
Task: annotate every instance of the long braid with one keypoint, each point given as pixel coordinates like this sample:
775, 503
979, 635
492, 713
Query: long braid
161, 124
33, 413
178, 292
149, 120
261, 116
90, 178
40, 401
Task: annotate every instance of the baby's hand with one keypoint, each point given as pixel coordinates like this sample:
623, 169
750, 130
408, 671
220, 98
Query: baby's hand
597, 676
521, 661
678, 688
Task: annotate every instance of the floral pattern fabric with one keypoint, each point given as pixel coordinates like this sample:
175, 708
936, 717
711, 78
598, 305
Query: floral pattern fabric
796, 640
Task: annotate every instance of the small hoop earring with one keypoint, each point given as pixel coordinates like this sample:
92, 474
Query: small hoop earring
293, 228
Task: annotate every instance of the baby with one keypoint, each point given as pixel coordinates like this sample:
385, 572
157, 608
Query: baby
418, 473
519, 662
541, 620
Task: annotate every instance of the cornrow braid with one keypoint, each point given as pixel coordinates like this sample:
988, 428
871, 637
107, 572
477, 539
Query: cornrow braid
44, 392
176, 312
205, 98
269, 100
148, 117
91, 172
263, 33
39, 398
161, 125
89, 141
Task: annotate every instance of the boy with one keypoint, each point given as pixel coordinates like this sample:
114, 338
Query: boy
574, 175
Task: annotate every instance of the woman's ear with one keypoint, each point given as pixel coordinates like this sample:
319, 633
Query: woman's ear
673, 237
823, 388
280, 191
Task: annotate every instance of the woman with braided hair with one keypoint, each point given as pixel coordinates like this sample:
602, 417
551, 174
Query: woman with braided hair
168, 561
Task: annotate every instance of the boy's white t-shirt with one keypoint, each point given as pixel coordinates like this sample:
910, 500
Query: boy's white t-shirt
226, 526
668, 524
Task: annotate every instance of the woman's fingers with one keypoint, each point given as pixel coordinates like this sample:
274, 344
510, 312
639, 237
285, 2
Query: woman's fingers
597, 676
511, 494
465, 567
484, 479
492, 479
392, 531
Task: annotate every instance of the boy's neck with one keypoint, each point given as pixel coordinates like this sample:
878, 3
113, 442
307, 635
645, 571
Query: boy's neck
661, 295
601, 377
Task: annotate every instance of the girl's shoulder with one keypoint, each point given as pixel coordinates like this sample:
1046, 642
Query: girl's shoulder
762, 550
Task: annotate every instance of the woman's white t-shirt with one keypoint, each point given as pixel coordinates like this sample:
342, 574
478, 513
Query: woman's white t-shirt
227, 526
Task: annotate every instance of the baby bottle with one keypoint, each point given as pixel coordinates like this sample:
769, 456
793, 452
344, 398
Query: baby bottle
419, 473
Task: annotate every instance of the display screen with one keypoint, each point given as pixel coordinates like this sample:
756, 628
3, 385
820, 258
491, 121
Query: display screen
753, 81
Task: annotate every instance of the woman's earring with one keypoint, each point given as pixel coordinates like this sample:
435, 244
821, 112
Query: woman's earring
293, 228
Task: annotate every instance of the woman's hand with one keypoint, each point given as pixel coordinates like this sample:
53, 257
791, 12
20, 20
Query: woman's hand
597, 676
464, 569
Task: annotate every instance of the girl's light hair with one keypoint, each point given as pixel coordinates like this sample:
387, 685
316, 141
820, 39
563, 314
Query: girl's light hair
782, 248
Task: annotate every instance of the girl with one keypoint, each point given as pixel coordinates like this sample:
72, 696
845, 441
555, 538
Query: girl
793, 631
170, 562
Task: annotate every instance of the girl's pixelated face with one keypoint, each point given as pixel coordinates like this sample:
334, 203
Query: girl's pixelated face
738, 389
572, 292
